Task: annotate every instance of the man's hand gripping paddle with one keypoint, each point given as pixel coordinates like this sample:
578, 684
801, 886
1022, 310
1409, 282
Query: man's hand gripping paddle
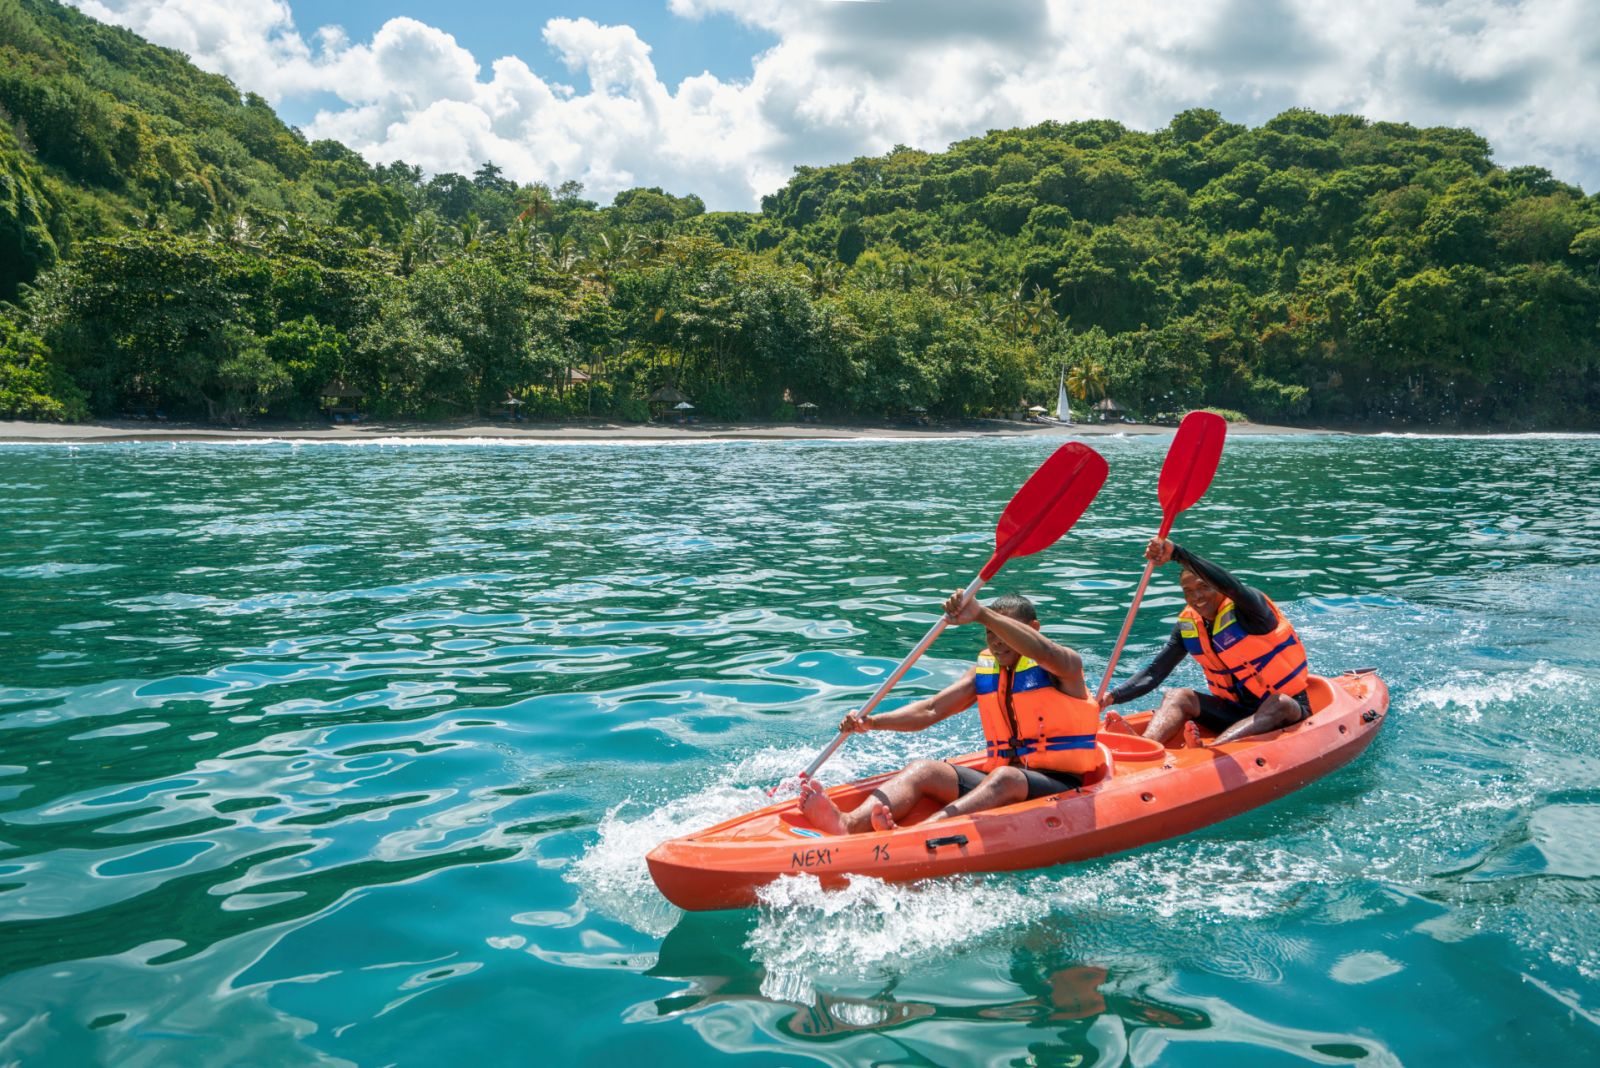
1045, 508
1191, 462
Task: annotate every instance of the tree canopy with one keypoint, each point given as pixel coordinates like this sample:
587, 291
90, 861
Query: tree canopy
169, 242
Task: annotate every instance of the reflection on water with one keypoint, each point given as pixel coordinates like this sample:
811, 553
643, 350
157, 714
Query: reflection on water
1048, 1006
334, 755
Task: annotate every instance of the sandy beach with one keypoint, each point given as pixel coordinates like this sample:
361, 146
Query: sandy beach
114, 431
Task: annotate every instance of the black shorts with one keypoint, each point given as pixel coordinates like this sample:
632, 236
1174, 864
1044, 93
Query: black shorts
1219, 713
1040, 783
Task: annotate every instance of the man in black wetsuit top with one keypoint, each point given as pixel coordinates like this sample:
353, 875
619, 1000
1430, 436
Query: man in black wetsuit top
1254, 663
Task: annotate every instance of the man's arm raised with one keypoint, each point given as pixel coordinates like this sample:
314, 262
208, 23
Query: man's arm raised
1065, 664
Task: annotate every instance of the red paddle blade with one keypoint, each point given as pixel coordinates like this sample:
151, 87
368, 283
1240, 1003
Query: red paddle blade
1191, 463
1047, 504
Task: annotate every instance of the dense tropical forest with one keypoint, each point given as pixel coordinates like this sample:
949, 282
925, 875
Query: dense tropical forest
168, 244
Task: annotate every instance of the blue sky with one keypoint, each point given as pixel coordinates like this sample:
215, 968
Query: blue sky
489, 29
724, 98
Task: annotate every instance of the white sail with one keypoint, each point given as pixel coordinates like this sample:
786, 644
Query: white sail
1063, 412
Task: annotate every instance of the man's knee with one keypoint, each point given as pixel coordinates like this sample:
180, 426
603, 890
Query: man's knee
1009, 782
1184, 700
931, 771
1287, 710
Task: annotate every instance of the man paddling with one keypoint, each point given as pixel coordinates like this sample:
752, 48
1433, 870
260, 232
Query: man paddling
1254, 664
1038, 720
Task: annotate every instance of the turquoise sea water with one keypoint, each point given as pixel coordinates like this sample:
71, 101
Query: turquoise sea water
351, 755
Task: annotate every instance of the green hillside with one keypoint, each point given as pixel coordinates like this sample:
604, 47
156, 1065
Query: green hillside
170, 244
124, 131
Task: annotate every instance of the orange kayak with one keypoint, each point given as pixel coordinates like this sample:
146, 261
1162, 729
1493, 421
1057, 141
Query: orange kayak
1147, 793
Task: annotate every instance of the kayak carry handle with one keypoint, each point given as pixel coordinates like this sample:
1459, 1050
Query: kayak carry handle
949, 839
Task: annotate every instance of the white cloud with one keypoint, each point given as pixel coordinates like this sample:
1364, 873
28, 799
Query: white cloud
847, 78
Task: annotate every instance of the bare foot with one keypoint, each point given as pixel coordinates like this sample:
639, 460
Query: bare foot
1115, 724
819, 808
882, 818
1191, 736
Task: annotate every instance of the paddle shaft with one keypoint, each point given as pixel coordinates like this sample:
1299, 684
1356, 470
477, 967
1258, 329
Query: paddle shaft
1133, 610
894, 676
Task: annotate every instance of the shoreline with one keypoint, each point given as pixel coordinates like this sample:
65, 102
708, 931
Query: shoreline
108, 432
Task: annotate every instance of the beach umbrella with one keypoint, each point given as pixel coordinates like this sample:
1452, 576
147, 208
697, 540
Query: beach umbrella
683, 406
805, 404
1038, 409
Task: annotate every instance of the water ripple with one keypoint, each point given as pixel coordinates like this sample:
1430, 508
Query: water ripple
306, 752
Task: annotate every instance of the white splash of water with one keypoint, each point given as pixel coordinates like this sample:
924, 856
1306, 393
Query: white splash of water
1468, 693
804, 929
874, 927
781, 768
612, 873
1204, 881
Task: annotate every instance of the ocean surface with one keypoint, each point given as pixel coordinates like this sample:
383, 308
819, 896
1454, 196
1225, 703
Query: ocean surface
352, 754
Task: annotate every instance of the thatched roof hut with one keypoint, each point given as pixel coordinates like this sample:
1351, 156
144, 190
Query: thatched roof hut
669, 396
340, 400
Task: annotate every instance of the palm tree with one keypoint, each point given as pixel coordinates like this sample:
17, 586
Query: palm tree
470, 232
232, 229
609, 252
990, 310
1086, 378
521, 233
872, 275
653, 241
824, 277
420, 243
562, 253
1041, 313
535, 204
960, 289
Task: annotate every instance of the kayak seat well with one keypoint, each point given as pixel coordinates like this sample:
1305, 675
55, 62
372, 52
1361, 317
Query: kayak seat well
1319, 693
1130, 746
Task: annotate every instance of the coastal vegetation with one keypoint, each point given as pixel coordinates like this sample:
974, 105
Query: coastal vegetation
170, 245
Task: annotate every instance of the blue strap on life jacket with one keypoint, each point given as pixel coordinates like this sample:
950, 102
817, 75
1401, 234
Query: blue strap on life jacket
1255, 664
1069, 741
1292, 674
1018, 747
1266, 658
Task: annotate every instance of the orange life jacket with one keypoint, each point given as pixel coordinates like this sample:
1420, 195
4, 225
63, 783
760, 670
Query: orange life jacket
1243, 667
1027, 721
